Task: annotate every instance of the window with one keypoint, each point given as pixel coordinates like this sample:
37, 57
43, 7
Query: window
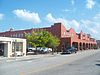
83, 35
21, 35
11, 35
64, 33
17, 46
15, 35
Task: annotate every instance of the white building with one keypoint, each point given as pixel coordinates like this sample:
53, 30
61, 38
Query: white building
10, 47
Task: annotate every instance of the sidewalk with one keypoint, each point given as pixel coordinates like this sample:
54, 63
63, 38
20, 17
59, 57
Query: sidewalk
34, 57
28, 57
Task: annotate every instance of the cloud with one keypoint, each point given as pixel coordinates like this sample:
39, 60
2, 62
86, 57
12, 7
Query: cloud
90, 4
1, 16
27, 16
93, 30
92, 26
73, 10
66, 10
76, 23
97, 16
72, 2
68, 23
86, 23
52, 19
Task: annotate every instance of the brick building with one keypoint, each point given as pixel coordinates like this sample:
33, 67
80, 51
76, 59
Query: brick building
81, 41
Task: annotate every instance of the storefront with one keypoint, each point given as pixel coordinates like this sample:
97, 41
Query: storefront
11, 47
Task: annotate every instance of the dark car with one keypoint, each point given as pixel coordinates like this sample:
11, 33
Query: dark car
70, 50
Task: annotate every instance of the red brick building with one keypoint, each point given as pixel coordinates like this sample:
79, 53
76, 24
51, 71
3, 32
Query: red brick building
81, 41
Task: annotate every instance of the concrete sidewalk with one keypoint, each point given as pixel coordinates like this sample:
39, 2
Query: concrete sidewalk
34, 57
28, 57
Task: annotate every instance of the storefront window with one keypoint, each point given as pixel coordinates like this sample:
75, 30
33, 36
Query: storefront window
18, 46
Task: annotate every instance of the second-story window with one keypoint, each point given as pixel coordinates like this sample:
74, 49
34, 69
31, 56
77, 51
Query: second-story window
11, 35
21, 35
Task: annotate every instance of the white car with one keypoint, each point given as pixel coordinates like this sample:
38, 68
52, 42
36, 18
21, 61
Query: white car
46, 50
39, 49
31, 49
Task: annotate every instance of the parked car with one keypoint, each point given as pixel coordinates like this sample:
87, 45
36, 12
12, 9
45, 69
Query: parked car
31, 49
39, 50
70, 50
46, 50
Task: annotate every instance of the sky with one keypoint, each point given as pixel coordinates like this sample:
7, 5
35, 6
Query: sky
25, 14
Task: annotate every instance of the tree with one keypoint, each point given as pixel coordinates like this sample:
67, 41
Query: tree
32, 39
42, 39
53, 42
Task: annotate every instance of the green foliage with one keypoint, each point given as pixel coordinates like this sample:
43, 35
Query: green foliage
42, 39
52, 42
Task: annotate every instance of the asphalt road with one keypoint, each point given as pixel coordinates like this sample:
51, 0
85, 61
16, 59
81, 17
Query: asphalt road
86, 66
83, 63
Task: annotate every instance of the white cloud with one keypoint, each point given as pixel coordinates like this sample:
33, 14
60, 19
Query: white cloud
27, 16
97, 16
66, 10
75, 23
1, 16
50, 18
86, 23
94, 31
90, 4
72, 2
92, 26
68, 23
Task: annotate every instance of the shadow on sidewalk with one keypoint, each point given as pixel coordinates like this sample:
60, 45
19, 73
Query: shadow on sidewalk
97, 64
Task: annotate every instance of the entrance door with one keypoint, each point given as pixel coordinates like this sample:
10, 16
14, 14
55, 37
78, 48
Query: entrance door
1, 49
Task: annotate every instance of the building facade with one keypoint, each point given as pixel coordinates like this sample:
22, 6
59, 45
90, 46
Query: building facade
11, 47
81, 41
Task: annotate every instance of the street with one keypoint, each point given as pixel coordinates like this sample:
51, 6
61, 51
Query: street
86, 66
81, 63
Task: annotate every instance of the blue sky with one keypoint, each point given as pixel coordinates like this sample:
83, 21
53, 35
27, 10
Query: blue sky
24, 14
